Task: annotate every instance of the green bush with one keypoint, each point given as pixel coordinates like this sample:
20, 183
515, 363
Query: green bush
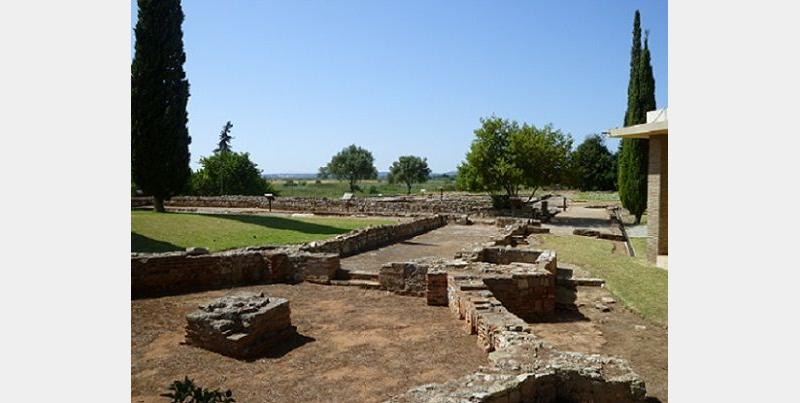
373, 190
501, 201
289, 183
228, 173
186, 391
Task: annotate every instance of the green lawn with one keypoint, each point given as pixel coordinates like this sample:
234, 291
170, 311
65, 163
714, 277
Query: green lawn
334, 189
641, 286
163, 232
612, 197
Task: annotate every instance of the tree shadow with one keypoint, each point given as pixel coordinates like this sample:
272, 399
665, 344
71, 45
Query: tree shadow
141, 243
283, 223
580, 222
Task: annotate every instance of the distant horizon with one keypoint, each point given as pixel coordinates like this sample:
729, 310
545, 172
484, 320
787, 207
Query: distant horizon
301, 81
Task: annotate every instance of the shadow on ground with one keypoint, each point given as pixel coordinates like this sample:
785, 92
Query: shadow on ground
284, 348
141, 243
283, 223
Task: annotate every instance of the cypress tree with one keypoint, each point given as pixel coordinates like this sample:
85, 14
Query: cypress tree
159, 93
225, 138
632, 176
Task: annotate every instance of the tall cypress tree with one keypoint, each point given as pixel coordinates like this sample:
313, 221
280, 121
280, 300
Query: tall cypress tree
159, 93
633, 153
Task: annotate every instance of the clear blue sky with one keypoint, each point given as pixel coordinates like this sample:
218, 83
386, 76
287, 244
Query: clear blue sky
302, 80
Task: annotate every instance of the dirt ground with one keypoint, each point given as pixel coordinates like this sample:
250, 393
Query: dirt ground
442, 242
355, 346
618, 332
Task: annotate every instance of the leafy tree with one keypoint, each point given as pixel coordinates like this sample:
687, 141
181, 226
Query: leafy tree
323, 173
507, 157
633, 154
229, 173
488, 165
541, 154
159, 93
409, 169
187, 392
225, 138
352, 164
593, 166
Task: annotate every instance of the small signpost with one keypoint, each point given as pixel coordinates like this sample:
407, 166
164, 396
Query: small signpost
270, 197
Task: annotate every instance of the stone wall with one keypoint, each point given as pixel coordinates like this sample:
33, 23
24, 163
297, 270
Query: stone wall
523, 367
369, 238
182, 272
395, 206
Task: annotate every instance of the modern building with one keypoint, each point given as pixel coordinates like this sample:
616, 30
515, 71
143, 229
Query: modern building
656, 131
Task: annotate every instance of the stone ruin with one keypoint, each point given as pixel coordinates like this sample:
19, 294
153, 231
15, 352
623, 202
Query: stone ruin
243, 325
496, 289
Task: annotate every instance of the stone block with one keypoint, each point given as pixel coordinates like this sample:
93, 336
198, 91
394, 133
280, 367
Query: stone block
243, 325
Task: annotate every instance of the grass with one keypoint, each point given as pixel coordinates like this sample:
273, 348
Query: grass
642, 287
612, 197
639, 246
163, 232
334, 189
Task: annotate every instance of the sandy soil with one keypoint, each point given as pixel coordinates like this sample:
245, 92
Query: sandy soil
443, 242
619, 333
355, 345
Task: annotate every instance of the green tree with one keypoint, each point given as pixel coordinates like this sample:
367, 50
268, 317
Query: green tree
229, 173
542, 154
159, 93
593, 166
505, 156
225, 138
351, 164
632, 163
409, 169
488, 165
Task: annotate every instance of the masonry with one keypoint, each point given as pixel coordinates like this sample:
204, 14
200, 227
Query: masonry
657, 198
181, 272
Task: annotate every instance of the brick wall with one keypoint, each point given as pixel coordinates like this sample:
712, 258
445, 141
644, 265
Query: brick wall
178, 272
657, 198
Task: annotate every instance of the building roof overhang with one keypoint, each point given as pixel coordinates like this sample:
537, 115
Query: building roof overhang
642, 131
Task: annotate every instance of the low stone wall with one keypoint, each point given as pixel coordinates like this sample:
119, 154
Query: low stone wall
182, 272
369, 238
395, 206
524, 368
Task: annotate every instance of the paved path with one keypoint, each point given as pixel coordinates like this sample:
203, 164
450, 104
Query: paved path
442, 242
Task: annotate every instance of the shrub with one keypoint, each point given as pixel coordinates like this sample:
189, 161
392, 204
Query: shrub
501, 201
187, 392
289, 183
373, 190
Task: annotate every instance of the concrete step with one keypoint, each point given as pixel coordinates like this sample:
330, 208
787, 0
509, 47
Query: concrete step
345, 274
366, 284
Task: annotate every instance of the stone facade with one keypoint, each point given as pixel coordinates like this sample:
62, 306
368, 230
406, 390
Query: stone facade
243, 325
657, 198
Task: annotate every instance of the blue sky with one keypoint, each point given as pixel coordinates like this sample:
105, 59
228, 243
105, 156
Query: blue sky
302, 80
